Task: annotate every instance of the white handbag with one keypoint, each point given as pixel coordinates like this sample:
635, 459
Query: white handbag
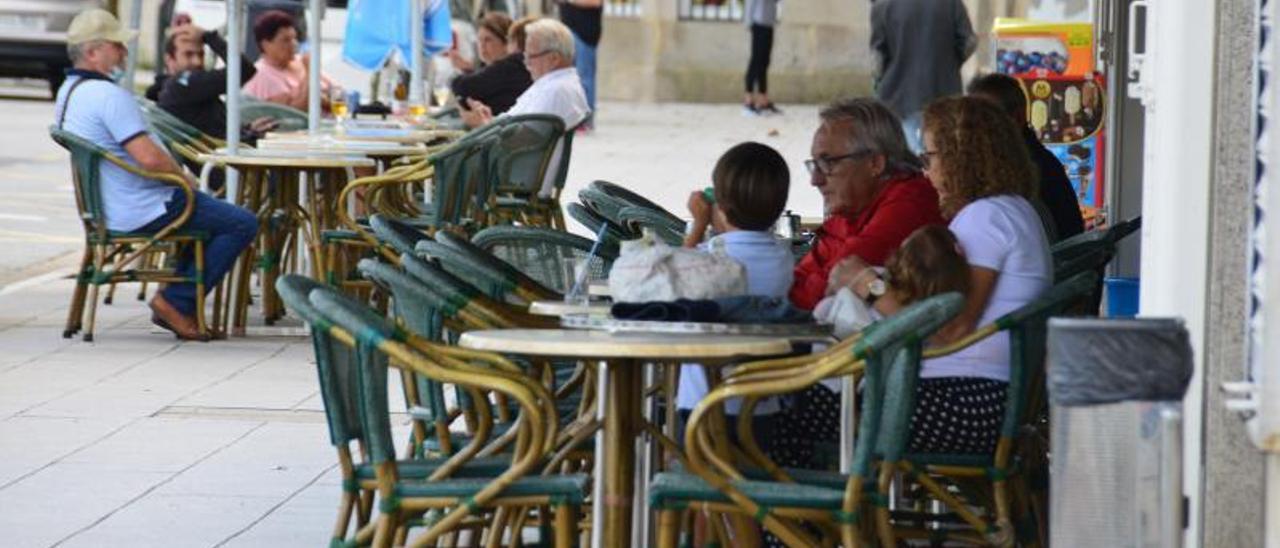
650, 270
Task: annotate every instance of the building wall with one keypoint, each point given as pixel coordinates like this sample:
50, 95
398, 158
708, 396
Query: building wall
1233, 467
821, 51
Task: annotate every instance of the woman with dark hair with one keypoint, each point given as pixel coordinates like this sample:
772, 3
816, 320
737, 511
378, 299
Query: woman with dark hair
973, 154
502, 76
281, 75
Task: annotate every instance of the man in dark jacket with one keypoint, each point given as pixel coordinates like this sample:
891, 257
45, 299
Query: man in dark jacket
193, 94
1055, 189
919, 46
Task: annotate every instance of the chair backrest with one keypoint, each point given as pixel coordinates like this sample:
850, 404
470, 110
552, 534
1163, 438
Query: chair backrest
637, 219
592, 222
460, 177
422, 312
86, 159
1082, 244
335, 360
562, 169
493, 283
889, 348
540, 253
521, 152
286, 117
369, 329
483, 259
605, 206
1123, 229
631, 198
397, 234
1028, 329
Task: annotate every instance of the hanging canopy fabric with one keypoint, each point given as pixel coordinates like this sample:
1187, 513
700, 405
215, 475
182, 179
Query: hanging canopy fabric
376, 28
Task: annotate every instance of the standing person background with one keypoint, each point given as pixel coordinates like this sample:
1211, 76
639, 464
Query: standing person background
585, 19
919, 46
761, 17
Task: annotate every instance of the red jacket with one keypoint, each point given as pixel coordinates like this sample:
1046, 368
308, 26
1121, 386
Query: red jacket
903, 205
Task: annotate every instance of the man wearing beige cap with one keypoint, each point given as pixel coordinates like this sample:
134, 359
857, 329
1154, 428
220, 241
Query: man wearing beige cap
92, 106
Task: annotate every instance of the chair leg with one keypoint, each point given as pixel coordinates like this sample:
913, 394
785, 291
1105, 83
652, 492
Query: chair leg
98, 259
668, 528
76, 312
201, 325
345, 510
386, 530
566, 526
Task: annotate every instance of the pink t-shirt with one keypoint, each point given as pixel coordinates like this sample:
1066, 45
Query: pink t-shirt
270, 81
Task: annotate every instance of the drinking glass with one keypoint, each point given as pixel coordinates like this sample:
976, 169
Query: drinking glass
576, 272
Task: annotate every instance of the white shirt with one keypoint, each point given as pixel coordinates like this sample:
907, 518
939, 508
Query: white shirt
1001, 233
770, 267
558, 92
107, 115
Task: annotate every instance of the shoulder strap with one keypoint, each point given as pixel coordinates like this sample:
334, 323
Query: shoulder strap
66, 103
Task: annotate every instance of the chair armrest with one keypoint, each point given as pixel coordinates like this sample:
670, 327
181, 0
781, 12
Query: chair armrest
965, 342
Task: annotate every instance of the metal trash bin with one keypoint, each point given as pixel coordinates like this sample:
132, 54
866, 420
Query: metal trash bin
1115, 390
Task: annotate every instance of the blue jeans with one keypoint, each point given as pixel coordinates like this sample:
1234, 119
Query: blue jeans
231, 229
584, 59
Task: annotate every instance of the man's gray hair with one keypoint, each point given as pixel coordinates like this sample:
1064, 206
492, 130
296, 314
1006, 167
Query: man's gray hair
75, 52
874, 128
552, 35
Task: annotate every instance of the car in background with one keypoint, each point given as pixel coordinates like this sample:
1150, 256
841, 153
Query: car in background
33, 37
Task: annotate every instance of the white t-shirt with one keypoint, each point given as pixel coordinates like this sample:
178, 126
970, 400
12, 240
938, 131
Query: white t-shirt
1001, 233
558, 92
108, 116
770, 267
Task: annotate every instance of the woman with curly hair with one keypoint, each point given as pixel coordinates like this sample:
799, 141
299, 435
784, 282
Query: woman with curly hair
974, 155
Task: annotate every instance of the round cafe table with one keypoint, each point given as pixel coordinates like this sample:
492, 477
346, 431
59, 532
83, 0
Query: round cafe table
621, 391
561, 308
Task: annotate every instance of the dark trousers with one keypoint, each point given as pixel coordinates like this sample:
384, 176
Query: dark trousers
758, 67
231, 229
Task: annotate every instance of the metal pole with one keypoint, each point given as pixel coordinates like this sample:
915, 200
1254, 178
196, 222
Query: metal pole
415, 52
313, 71
131, 66
235, 42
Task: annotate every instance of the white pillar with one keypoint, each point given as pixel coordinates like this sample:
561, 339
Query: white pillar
235, 42
1177, 80
415, 52
314, 36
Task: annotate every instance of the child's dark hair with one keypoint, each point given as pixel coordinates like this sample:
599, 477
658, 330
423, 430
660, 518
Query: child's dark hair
929, 262
751, 182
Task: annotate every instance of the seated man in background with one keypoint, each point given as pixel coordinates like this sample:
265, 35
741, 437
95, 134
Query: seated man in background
90, 105
556, 89
1056, 192
194, 95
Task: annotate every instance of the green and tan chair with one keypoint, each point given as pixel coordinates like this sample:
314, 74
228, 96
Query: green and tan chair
502, 503
109, 255
541, 254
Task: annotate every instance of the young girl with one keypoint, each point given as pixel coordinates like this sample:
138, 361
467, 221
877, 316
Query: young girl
929, 262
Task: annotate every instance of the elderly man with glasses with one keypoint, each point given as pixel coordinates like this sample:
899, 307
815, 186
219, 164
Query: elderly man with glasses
556, 89
873, 194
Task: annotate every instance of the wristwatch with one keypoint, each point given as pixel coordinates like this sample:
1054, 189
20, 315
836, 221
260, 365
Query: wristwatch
876, 288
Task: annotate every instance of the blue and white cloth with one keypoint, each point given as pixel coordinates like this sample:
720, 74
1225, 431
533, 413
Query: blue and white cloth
376, 28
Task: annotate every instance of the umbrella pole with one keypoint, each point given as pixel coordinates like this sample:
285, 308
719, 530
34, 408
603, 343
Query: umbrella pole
313, 71
235, 43
131, 66
415, 53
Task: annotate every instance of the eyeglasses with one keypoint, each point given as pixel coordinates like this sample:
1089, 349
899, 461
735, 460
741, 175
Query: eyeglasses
926, 157
827, 164
531, 56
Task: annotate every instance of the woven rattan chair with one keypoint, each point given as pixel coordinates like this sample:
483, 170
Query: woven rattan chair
715, 484
512, 493
287, 118
514, 282
636, 200
541, 253
613, 233
110, 254
638, 219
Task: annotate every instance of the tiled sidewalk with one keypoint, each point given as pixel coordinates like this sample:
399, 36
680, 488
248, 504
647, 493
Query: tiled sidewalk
141, 440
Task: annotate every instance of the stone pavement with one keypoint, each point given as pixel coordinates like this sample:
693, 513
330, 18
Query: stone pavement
140, 440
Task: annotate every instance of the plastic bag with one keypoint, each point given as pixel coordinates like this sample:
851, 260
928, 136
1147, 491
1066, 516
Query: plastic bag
649, 270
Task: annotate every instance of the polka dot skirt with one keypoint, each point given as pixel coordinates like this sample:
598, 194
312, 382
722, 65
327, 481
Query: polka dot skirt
957, 415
